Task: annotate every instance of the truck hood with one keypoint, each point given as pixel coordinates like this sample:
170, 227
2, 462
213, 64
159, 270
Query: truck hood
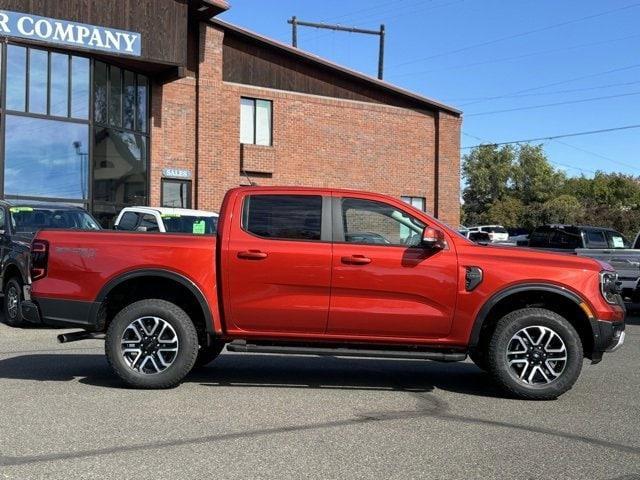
524, 256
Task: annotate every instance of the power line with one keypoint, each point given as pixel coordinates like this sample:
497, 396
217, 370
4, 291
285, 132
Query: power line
551, 137
554, 92
561, 82
517, 35
515, 57
550, 161
584, 150
567, 102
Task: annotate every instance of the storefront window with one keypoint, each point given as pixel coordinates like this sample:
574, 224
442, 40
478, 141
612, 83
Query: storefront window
46, 158
38, 85
119, 167
80, 87
59, 85
100, 83
115, 97
16, 78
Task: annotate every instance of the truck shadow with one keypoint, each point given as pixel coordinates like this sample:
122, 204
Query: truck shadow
270, 371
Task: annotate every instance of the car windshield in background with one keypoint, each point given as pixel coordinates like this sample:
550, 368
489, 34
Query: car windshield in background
190, 224
32, 219
494, 230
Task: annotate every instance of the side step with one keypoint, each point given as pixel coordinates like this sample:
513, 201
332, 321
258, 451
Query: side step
241, 346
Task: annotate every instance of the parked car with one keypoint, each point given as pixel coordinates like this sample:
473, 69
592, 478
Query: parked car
604, 244
19, 222
497, 233
290, 272
475, 235
173, 220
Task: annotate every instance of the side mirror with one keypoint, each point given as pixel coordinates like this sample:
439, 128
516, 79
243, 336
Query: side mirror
433, 239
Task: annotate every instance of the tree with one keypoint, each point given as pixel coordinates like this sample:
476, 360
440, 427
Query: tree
535, 179
507, 212
562, 209
487, 171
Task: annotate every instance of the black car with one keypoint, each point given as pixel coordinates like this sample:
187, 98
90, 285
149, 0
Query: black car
570, 237
19, 222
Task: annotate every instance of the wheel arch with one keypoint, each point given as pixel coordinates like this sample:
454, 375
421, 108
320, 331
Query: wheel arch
553, 297
166, 276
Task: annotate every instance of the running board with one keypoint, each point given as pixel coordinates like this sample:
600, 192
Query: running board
241, 346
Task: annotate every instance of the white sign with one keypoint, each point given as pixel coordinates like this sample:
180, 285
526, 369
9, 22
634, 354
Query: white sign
176, 173
33, 27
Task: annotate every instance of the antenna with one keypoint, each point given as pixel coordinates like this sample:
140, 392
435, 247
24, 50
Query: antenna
251, 182
294, 22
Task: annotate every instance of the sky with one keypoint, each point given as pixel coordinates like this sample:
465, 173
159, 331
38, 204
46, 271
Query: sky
560, 57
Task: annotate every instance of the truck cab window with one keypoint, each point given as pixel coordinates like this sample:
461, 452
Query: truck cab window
128, 221
284, 217
377, 223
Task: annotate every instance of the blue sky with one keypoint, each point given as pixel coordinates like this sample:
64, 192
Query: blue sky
466, 52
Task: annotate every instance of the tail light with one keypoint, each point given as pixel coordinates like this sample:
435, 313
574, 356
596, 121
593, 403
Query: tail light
39, 259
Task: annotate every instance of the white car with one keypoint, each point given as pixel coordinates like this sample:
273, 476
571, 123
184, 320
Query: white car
172, 220
497, 233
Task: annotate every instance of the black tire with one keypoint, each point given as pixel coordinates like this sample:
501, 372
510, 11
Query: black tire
12, 311
208, 354
183, 330
480, 359
507, 376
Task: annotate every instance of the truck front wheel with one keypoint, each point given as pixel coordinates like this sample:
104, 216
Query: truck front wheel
151, 344
12, 300
535, 354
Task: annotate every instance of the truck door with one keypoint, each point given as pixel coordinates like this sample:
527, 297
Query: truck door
278, 263
384, 283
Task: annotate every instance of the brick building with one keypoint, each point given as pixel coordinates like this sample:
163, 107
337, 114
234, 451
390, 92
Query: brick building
115, 114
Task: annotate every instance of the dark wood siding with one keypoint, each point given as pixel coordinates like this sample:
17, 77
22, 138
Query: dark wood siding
162, 23
248, 62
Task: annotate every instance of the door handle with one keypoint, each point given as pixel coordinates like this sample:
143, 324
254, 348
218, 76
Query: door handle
356, 260
252, 255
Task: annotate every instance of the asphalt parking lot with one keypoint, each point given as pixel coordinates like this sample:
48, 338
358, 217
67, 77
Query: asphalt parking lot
64, 415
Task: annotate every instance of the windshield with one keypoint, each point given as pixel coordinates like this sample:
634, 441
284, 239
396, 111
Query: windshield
31, 219
190, 224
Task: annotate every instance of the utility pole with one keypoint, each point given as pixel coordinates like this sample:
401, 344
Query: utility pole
294, 22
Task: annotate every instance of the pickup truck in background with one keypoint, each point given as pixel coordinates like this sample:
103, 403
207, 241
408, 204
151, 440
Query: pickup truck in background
603, 244
326, 272
166, 220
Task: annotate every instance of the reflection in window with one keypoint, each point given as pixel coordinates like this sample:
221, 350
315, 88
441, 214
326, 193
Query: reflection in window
100, 92
176, 193
115, 97
38, 85
119, 167
143, 95
129, 101
16, 78
80, 87
59, 85
51, 155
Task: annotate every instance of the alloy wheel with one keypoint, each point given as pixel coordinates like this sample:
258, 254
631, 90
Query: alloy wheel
536, 355
149, 345
12, 302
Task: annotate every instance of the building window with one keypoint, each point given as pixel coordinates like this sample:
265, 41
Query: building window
176, 193
417, 202
46, 143
256, 121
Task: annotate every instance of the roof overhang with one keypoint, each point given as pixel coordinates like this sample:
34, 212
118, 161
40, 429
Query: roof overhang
207, 9
418, 99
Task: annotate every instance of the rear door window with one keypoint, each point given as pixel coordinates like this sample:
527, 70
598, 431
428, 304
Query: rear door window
149, 223
565, 239
283, 217
596, 239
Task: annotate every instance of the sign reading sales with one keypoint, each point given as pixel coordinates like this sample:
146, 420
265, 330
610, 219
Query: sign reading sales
49, 30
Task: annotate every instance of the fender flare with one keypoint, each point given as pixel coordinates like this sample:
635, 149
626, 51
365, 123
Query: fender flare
502, 294
156, 272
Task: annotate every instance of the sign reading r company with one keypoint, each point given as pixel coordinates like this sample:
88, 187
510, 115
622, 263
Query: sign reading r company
62, 32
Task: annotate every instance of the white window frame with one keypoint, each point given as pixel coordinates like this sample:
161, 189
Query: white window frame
257, 136
409, 199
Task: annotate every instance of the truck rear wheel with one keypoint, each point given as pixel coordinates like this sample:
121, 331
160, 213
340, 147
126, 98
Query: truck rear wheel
151, 344
12, 300
535, 354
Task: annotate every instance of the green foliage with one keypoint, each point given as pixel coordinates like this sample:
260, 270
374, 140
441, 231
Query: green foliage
518, 187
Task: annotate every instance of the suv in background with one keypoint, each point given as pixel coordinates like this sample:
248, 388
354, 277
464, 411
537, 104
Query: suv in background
570, 237
497, 233
171, 220
19, 222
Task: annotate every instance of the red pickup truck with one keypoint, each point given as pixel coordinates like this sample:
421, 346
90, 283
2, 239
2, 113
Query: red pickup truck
325, 272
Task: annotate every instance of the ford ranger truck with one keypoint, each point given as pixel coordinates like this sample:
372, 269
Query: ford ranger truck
326, 272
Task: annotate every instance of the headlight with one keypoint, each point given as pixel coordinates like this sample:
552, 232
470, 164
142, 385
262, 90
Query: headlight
610, 287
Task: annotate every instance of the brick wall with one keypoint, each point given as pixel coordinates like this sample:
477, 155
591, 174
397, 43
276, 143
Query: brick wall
317, 141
